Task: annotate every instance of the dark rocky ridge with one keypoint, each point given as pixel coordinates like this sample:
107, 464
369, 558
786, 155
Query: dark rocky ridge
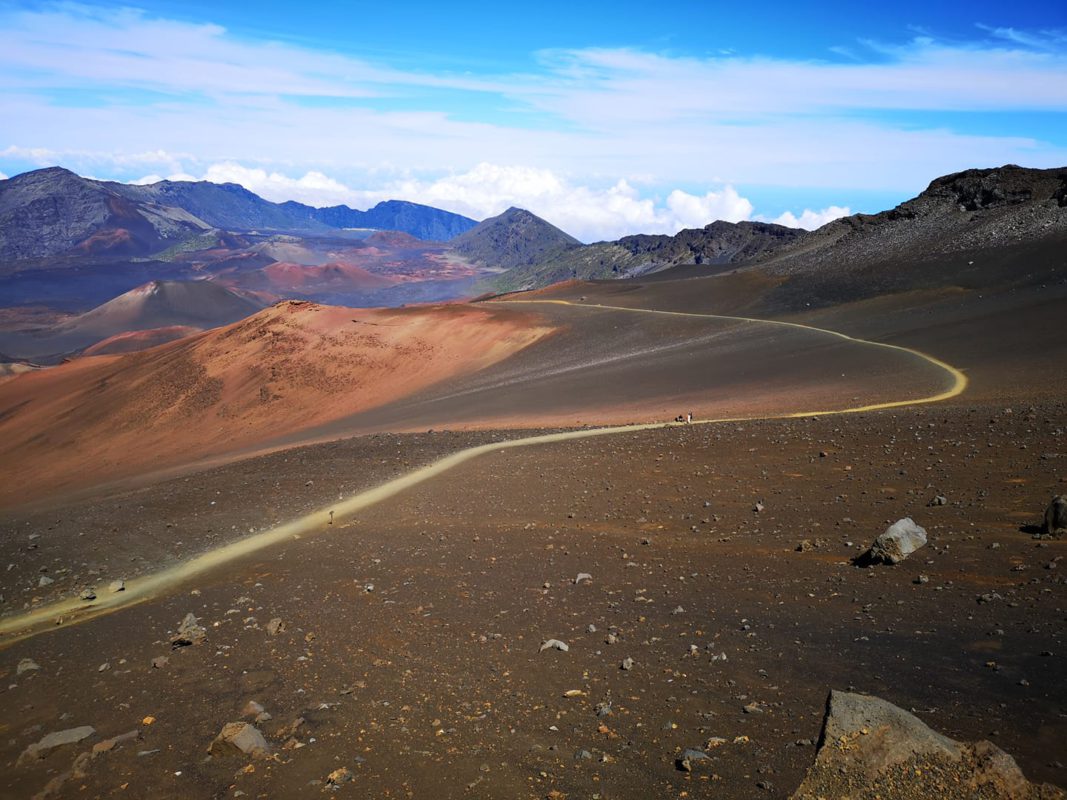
971, 210
715, 244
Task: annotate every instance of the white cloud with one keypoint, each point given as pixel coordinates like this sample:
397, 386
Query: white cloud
694, 212
314, 187
589, 213
810, 220
3, 177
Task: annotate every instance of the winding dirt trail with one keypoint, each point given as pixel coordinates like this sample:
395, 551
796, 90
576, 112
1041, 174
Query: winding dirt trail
73, 611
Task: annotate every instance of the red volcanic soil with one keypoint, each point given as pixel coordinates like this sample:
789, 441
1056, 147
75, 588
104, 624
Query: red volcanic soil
110, 240
283, 276
286, 368
131, 341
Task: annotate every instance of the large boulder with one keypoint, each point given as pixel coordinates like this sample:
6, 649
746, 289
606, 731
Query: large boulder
1056, 515
899, 541
871, 749
239, 737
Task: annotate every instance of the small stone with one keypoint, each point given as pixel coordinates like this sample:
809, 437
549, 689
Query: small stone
339, 776
44, 581
627, 664
689, 757
252, 709
554, 644
275, 626
583, 576
922, 579
590, 628
159, 662
190, 632
117, 586
27, 665
88, 594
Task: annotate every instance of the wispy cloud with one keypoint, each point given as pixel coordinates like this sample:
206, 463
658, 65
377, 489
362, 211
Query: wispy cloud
619, 128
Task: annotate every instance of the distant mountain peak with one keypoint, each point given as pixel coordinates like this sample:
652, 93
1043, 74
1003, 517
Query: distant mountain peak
514, 238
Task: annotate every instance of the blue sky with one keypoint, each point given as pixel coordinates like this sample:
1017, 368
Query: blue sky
605, 118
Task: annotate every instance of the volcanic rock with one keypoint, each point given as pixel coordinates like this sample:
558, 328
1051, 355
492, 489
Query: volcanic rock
1056, 514
239, 736
899, 541
55, 740
870, 748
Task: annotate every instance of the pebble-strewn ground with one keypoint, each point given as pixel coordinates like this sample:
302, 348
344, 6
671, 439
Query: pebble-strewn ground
409, 640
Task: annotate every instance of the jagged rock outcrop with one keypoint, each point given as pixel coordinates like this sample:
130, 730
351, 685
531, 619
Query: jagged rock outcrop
870, 749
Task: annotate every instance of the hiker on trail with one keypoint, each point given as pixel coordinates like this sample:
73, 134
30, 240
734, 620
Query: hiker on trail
689, 418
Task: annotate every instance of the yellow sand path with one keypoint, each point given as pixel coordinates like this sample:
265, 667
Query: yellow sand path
72, 611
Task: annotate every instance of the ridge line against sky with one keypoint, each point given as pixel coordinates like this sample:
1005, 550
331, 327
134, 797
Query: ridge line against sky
604, 120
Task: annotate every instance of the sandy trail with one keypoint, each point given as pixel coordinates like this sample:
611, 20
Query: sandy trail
73, 611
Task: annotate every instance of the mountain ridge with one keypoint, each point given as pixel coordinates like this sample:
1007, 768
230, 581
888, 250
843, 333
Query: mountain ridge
971, 209
54, 212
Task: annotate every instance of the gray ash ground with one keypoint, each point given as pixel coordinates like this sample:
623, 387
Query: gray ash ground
411, 634
127, 532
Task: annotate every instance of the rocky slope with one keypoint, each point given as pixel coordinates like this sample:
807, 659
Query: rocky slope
51, 212
972, 210
975, 210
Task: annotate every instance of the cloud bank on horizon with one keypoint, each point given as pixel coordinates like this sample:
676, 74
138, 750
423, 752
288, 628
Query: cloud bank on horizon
601, 141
